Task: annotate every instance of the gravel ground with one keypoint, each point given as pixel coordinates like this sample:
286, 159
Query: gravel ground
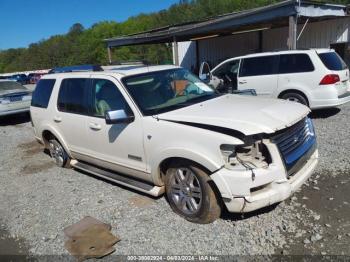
39, 200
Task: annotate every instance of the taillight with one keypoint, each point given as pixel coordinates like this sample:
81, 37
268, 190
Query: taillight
330, 79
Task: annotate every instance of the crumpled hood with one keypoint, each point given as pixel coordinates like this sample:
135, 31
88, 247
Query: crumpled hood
248, 115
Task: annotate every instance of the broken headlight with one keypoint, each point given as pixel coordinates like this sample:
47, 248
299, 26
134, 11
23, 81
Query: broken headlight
250, 157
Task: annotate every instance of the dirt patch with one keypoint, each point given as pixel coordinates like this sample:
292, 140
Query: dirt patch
328, 196
12, 249
141, 201
36, 168
31, 148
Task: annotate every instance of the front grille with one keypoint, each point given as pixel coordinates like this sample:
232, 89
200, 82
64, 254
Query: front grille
295, 142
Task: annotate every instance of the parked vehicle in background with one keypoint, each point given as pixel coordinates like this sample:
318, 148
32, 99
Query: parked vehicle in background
318, 78
14, 98
34, 78
20, 78
160, 129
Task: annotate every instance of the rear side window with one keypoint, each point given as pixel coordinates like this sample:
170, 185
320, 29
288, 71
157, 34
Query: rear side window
295, 63
72, 97
42, 93
333, 61
258, 66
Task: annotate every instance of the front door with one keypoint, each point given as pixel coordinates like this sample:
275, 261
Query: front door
118, 146
227, 73
259, 73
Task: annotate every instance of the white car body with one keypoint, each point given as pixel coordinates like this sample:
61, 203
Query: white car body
15, 100
275, 85
195, 133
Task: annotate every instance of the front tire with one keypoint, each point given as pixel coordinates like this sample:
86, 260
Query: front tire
58, 154
189, 193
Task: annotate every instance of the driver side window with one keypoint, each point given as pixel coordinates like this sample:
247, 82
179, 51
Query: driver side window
230, 68
106, 97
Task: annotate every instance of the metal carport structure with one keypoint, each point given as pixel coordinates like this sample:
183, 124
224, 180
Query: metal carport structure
286, 13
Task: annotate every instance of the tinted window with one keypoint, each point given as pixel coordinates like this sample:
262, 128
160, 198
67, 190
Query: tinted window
258, 66
42, 93
72, 97
295, 63
106, 97
333, 61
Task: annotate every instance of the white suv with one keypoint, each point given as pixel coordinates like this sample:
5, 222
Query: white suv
318, 78
160, 129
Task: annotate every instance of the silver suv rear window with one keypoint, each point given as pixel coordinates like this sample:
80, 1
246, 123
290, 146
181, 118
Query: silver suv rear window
333, 61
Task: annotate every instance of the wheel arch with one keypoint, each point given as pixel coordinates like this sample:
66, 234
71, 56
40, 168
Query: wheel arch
48, 134
281, 94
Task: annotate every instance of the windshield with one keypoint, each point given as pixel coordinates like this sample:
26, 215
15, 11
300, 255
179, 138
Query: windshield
10, 85
333, 61
163, 91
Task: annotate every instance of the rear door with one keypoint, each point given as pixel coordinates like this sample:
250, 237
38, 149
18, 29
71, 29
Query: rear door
71, 113
259, 73
296, 71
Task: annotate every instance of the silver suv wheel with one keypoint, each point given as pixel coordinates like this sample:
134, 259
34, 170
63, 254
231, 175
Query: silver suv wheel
191, 193
58, 153
186, 191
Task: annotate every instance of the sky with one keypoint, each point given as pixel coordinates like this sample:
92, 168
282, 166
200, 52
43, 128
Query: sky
23, 22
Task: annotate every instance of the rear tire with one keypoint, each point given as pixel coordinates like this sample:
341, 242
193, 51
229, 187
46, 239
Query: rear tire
59, 154
295, 97
189, 193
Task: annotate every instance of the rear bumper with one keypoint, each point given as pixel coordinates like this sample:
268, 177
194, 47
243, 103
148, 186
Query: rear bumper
330, 99
274, 192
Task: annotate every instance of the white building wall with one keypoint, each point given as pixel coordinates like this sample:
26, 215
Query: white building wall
216, 50
187, 54
316, 35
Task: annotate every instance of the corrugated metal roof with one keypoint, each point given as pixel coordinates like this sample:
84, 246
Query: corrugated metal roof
225, 24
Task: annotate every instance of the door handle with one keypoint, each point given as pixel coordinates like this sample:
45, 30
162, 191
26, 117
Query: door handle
242, 82
95, 126
57, 119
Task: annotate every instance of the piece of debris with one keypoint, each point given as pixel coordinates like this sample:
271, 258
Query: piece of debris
317, 217
327, 225
316, 188
331, 199
306, 241
90, 238
316, 237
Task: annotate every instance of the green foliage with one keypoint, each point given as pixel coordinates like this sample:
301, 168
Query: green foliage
86, 46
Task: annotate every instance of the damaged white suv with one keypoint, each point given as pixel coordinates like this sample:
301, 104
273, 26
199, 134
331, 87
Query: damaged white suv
160, 129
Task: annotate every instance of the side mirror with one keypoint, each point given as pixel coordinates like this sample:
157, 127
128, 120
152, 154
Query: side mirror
118, 117
204, 72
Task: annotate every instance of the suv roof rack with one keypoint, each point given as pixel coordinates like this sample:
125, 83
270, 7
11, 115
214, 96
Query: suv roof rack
135, 62
76, 68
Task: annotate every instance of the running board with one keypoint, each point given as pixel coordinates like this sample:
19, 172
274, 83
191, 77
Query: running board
119, 179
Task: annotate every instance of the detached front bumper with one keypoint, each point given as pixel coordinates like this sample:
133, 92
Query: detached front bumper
264, 193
